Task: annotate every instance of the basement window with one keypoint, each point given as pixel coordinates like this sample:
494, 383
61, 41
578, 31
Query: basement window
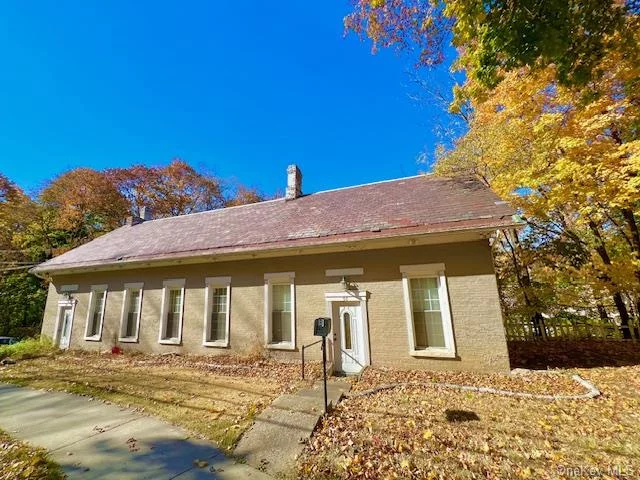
217, 309
95, 314
172, 312
131, 311
280, 310
426, 299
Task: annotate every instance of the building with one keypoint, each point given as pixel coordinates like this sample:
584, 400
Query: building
403, 268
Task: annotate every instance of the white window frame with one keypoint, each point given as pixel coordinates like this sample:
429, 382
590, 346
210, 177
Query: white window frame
126, 303
211, 283
430, 270
280, 278
167, 285
90, 311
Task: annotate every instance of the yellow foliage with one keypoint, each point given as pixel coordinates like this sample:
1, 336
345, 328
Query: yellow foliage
564, 155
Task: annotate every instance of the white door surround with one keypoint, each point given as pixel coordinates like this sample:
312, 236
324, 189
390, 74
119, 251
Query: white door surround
64, 323
355, 304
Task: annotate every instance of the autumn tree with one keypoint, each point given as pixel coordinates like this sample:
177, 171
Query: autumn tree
176, 189
243, 196
569, 159
84, 203
22, 295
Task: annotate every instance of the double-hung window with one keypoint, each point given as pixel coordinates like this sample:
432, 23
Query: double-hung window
131, 310
427, 310
216, 312
172, 311
95, 314
280, 310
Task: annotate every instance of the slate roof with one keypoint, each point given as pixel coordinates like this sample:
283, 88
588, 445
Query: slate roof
415, 205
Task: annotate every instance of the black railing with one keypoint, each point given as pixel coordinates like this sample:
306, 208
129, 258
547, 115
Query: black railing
302, 349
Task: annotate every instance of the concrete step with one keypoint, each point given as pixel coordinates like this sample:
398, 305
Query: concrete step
278, 434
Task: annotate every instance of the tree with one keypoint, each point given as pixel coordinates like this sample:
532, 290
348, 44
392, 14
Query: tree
497, 36
21, 295
244, 196
84, 203
569, 159
176, 189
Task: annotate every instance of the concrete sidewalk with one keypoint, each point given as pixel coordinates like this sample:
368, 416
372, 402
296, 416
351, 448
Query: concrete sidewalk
93, 440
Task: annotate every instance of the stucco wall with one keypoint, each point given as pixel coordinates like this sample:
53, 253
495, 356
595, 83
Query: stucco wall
477, 320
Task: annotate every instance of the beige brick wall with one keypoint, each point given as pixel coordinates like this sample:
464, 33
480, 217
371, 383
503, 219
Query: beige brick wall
475, 308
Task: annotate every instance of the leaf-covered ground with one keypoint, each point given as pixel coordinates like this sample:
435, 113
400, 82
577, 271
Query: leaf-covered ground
19, 461
215, 397
549, 383
425, 432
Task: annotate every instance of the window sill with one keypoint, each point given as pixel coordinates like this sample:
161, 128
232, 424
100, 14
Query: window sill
280, 346
169, 341
433, 353
92, 339
128, 340
220, 344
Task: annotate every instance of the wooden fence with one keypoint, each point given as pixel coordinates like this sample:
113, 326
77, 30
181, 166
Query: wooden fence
566, 329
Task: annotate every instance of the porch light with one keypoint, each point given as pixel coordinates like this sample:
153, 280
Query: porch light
344, 283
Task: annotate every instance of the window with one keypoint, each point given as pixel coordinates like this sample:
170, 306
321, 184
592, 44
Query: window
216, 314
95, 314
280, 310
172, 312
427, 310
131, 311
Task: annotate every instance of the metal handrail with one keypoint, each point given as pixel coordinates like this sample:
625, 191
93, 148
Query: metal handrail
302, 349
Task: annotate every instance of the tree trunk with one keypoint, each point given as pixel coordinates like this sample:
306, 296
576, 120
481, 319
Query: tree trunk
524, 281
635, 244
602, 311
601, 249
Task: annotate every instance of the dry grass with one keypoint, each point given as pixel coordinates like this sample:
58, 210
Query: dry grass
20, 461
213, 397
424, 432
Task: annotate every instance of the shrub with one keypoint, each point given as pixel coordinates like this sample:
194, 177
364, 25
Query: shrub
28, 348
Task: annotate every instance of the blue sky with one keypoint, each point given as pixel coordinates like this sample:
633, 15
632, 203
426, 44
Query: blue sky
240, 89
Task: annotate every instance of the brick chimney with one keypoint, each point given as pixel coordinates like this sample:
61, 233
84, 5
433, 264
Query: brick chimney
294, 182
145, 215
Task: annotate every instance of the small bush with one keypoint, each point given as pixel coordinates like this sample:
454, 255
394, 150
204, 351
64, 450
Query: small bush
28, 348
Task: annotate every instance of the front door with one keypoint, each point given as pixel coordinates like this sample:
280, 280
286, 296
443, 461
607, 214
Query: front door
351, 338
65, 327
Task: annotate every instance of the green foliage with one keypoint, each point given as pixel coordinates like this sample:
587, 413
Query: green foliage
29, 348
22, 299
505, 35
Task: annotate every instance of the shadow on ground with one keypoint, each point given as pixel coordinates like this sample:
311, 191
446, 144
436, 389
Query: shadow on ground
540, 355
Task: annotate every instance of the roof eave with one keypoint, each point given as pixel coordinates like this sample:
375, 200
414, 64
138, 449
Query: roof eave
322, 245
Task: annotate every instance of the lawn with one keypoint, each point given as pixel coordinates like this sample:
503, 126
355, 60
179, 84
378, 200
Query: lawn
214, 397
20, 461
427, 432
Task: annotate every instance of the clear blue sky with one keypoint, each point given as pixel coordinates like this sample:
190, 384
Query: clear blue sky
240, 89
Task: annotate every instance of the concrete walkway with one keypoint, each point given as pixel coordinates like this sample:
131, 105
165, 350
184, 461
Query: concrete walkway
93, 440
278, 434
